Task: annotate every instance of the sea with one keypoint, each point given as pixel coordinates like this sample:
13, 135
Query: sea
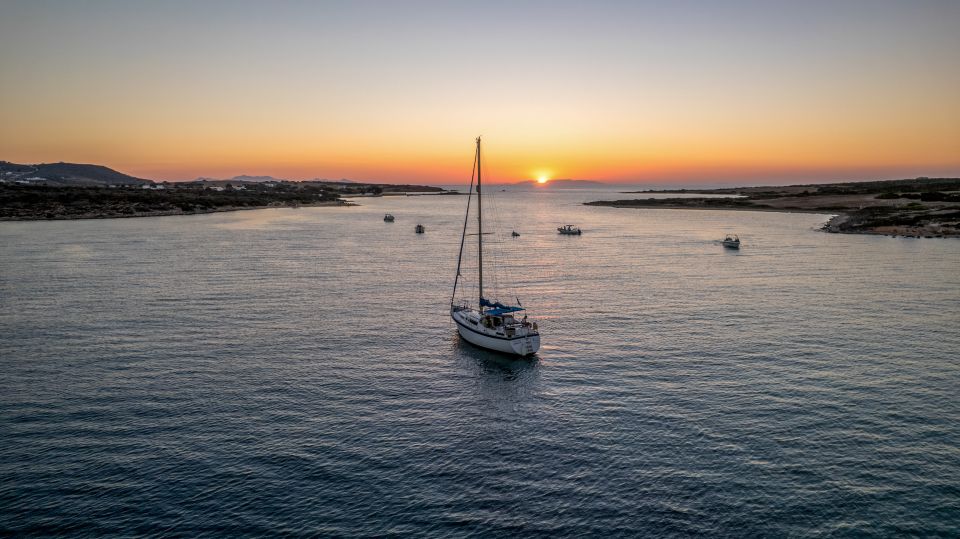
296, 372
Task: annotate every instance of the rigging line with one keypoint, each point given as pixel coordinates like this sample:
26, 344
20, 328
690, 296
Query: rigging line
493, 288
499, 273
501, 251
463, 237
494, 252
504, 253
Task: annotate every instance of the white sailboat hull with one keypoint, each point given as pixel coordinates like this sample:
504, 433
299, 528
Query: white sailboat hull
519, 344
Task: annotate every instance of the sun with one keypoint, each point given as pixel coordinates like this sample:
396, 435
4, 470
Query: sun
542, 180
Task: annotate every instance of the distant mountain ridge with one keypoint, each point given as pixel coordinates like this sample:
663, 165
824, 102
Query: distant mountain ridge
67, 174
562, 184
243, 178
264, 179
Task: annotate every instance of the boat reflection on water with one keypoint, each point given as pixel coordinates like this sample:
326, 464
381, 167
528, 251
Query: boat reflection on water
505, 366
493, 360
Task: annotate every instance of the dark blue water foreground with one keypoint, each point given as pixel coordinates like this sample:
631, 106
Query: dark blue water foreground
296, 372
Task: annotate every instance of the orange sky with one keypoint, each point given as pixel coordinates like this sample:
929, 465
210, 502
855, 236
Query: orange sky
607, 92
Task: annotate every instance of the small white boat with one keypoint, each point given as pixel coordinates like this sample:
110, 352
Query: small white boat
569, 230
388, 218
489, 324
731, 242
420, 229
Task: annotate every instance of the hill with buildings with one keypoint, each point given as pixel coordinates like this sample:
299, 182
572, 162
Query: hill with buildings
66, 174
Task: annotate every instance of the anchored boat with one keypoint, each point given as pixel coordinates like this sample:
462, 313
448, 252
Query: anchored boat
731, 242
488, 323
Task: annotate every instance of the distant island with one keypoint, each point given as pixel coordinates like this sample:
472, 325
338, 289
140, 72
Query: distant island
262, 179
81, 191
919, 207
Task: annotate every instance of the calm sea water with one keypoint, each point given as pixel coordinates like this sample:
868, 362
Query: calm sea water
295, 372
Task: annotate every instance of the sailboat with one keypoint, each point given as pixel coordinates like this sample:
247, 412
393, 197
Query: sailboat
489, 324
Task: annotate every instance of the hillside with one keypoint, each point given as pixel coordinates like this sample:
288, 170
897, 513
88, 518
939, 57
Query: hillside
40, 201
66, 174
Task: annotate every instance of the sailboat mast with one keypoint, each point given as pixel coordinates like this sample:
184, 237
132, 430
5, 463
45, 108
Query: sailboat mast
479, 229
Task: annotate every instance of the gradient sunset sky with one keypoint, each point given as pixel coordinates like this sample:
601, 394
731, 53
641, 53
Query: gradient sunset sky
732, 92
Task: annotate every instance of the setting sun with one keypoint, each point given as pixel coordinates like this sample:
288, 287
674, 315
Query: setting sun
542, 179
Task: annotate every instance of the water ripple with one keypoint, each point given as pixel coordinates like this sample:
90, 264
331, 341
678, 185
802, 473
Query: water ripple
293, 372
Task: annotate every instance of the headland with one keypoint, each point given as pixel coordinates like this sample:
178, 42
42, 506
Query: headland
78, 191
920, 207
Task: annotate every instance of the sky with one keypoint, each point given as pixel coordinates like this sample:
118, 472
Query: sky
396, 91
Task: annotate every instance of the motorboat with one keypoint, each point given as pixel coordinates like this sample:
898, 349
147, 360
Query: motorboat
569, 230
731, 241
388, 218
515, 234
420, 229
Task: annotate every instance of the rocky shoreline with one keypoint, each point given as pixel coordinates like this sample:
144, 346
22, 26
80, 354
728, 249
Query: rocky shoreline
164, 213
44, 202
923, 207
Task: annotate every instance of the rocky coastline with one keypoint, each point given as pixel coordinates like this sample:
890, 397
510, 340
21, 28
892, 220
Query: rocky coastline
921, 207
42, 202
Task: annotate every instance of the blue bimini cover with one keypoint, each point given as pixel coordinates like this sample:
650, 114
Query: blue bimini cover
498, 308
503, 310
